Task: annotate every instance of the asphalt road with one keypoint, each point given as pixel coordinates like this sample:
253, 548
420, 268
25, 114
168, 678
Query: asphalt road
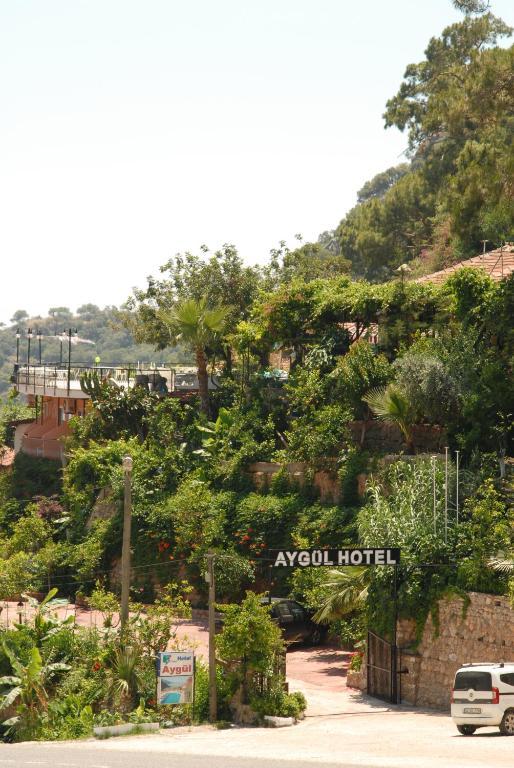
66, 756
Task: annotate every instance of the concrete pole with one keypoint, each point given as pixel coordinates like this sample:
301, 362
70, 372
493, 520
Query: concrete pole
446, 495
125, 552
434, 495
457, 489
213, 703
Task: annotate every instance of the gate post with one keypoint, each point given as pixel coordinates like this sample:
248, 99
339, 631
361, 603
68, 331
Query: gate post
394, 639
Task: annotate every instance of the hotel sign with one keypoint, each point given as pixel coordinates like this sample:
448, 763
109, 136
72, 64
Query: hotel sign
315, 558
175, 677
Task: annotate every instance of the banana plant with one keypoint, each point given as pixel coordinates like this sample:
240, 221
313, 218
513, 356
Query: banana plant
44, 624
213, 431
26, 689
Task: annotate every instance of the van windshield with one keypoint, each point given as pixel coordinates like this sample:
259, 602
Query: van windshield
479, 681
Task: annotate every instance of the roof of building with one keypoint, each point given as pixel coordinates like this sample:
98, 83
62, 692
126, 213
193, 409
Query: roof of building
498, 264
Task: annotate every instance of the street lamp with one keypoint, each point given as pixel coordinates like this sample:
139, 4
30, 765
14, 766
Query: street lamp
29, 337
127, 464
61, 341
18, 336
39, 336
70, 334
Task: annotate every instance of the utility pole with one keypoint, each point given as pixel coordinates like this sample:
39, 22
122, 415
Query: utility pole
125, 552
457, 489
446, 495
213, 704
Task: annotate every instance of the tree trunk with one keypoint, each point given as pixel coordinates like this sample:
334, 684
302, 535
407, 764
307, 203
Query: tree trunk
203, 379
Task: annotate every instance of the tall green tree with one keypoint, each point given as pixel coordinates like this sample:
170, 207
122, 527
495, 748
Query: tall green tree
457, 108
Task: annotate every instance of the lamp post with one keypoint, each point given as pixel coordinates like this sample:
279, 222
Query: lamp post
29, 337
39, 336
70, 334
61, 340
18, 336
125, 551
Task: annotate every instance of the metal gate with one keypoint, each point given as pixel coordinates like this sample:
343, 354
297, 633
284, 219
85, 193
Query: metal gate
382, 669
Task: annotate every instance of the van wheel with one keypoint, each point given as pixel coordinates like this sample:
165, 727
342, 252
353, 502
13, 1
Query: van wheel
466, 730
507, 724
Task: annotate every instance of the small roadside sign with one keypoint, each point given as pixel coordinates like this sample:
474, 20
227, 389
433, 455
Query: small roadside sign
175, 677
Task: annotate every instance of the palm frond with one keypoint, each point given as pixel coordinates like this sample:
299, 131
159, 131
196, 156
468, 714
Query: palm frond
502, 564
348, 590
391, 404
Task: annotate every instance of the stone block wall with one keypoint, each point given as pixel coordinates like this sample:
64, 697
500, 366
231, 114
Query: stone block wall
326, 481
380, 436
483, 630
479, 631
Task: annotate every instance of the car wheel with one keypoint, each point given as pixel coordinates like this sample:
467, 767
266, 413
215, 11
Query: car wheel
466, 730
507, 723
316, 637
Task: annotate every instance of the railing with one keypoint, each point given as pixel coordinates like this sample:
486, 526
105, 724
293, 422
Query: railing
60, 379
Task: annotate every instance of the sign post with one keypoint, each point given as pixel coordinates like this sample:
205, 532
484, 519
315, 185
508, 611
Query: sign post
175, 677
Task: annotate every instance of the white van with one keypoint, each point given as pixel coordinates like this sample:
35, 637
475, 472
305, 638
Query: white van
483, 695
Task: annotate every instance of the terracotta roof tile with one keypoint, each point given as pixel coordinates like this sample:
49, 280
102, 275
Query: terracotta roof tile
498, 264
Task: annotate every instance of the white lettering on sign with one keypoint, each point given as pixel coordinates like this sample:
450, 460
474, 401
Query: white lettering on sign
304, 558
326, 560
316, 557
352, 556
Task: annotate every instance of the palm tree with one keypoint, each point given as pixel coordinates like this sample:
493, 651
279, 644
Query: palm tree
197, 325
349, 590
391, 404
125, 677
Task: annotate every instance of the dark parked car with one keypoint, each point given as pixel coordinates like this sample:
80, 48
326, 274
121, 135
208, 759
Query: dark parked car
295, 621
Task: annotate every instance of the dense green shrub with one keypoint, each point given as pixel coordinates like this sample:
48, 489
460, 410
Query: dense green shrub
486, 530
318, 435
250, 642
358, 372
33, 477
429, 387
264, 520
278, 703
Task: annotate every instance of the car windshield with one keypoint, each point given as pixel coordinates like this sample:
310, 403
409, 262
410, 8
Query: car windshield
479, 681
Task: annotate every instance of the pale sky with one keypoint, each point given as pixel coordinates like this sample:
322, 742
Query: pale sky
133, 129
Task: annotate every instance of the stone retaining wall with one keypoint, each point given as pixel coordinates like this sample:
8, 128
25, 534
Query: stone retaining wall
380, 436
481, 630
326, 481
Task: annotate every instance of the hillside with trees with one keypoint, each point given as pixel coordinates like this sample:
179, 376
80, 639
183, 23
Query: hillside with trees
456, 108
383, 376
